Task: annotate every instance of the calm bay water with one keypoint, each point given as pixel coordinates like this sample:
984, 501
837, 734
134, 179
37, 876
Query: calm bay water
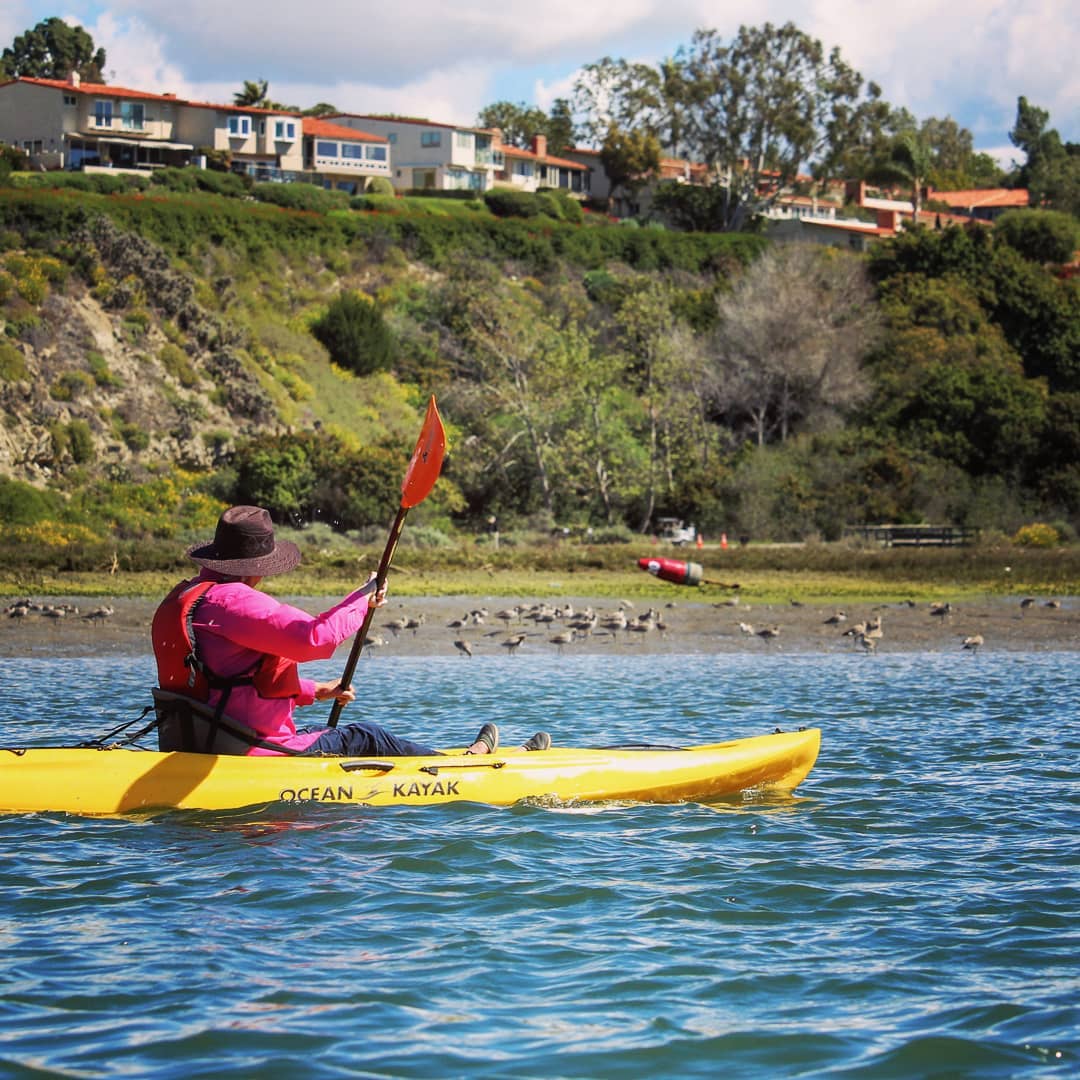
911, 911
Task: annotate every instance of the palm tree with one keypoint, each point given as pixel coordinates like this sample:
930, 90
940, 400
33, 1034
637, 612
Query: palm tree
909, 162
253, 94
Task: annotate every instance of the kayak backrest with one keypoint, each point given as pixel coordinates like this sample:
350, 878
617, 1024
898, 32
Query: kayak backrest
193, 727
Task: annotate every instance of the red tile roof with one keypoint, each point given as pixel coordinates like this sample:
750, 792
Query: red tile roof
543, 159
978, 197
324, 129
103, 90
95, 89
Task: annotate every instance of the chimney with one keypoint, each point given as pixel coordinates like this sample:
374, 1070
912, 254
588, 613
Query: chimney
855, 191
74, 79
539, 145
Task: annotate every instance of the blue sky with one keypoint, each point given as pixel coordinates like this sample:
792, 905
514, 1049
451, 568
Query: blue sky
969, 59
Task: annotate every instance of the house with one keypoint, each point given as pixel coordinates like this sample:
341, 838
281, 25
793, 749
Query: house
529, 170
266, 144
983, 204
69, 124
431, 155
343, 157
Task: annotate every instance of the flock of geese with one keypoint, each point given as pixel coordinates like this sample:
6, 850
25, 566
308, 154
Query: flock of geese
22, 609
560, 625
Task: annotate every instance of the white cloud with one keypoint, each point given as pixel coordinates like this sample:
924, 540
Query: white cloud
967, 58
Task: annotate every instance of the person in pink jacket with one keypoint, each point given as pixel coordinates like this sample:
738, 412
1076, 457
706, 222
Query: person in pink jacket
247, 644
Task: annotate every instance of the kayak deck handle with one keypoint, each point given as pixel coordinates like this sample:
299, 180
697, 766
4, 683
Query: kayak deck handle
358, 766
433, 770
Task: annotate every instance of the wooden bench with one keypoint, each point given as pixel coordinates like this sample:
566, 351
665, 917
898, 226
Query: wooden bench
916, 535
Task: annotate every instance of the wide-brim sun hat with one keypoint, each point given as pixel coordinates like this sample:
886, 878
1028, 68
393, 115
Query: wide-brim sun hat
244, 546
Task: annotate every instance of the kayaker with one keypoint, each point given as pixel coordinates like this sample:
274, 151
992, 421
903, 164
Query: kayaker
217, 637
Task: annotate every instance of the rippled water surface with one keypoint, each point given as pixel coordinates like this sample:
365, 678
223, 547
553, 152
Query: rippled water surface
911, 911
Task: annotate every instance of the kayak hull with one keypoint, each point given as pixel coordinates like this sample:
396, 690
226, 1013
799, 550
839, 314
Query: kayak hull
120, 780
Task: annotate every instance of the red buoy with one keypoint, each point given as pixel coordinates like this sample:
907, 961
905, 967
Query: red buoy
677, 572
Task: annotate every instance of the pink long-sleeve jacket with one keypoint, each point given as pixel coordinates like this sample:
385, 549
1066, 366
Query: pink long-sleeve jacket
236, 624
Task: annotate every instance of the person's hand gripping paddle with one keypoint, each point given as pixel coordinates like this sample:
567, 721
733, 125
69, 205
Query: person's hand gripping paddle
420, 478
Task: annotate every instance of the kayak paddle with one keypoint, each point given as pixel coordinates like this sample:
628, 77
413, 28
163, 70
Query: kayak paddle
420, 477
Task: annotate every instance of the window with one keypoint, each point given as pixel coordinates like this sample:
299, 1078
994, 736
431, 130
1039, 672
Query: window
352, 150
463, 140
375, 153
284, 129
392, 138
132, 115
522, 168
70, 99
326, 149
102, 114
239, 126
431, 138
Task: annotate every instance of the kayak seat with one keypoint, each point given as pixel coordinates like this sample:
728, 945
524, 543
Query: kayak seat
194, 727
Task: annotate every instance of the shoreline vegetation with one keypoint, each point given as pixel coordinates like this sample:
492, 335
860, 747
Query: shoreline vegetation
765, 573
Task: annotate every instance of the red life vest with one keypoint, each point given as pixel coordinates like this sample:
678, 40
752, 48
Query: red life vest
180, 667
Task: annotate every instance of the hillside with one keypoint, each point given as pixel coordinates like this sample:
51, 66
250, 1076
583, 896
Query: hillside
590, 374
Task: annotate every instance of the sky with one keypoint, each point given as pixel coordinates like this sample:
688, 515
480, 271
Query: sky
446, 59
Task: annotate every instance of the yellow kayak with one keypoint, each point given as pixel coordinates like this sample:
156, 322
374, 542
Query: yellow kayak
119, 780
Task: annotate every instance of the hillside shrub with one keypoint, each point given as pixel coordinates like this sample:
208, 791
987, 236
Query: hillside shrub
301, 197
1037, 535
177, 363
505, 202
379, 185
70, 385
22, 504
12, 363
1043, 236
355, 334
99, 370
81, 442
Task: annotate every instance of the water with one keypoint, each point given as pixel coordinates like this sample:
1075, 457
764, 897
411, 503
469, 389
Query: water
911, 911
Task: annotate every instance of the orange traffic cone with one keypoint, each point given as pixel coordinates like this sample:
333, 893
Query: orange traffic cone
700, 540
723, 541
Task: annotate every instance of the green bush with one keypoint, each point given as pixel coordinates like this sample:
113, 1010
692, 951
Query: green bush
12, 363
301, 197
355, 334
71, 385
81, 442
504, 202
1043, 236
177, 363
99, 369
21, 504
1037, 535
379, 185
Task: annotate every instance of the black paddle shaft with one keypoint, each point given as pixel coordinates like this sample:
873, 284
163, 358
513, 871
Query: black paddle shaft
361, 634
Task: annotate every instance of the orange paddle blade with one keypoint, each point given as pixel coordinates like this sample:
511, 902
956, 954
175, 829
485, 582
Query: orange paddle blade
427, 459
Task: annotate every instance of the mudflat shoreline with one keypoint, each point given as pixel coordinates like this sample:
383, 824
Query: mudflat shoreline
675, 628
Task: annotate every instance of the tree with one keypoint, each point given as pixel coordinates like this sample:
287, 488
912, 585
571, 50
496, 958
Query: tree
763, 107
252, 95
909, 162
790, 342
53, 50
323, 108
1052, 170
1043, 236
355, 334
560, 127
620, 94
519, 123
629, 158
